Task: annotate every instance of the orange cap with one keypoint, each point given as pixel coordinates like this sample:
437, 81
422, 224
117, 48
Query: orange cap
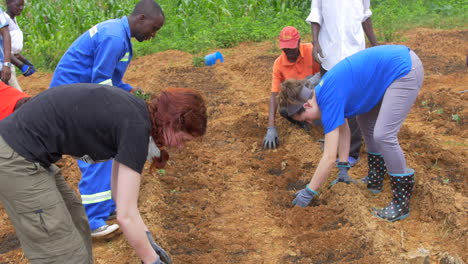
289, 37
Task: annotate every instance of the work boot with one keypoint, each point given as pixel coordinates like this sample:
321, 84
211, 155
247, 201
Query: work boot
377, 171
399, 207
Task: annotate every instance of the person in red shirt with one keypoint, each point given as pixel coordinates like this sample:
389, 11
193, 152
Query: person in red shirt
10, 99
295, 62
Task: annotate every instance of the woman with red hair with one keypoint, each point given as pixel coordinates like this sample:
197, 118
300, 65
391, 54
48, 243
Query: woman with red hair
94, 122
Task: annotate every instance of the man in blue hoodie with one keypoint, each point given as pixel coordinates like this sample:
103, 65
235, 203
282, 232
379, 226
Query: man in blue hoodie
102, 55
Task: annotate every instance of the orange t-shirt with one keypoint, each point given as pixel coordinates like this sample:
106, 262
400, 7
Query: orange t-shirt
8, 98
304, 66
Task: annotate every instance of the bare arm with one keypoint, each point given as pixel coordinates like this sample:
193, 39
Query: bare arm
272, 109
317, 53
114, 180
344, 142
328, 159
128, 216
6, 71
16, 62
369, 30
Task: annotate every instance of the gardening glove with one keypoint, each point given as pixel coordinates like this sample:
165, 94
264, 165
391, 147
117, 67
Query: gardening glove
343, 176
27, 69
304, 196
153, 150
164, 257
271, 140
156, 262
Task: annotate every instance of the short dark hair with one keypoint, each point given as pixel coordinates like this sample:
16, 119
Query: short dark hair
148, 8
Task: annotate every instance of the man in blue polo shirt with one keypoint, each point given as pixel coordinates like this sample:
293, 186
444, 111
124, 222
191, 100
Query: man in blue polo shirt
102, 55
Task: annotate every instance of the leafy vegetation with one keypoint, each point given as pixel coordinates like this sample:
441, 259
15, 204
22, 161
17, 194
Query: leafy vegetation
198, 61
143, 95
195, 26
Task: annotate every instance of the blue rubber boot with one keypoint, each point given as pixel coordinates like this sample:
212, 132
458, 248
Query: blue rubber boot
376, 174
399, 207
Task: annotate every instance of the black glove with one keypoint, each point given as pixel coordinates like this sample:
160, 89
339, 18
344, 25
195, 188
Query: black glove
164, 257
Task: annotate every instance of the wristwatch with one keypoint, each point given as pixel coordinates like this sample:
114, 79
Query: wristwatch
7, 63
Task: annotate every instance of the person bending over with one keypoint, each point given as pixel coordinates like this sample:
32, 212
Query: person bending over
95, 122
378, 85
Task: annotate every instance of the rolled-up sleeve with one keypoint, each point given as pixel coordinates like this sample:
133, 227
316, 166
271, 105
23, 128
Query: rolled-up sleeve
366, 12
315, 15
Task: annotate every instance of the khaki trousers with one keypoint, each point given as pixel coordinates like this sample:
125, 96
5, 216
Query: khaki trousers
13, 82
48, 216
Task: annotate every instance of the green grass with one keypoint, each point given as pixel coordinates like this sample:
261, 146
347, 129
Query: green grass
195, 26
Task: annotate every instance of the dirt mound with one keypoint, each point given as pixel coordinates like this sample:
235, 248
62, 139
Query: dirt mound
223, 199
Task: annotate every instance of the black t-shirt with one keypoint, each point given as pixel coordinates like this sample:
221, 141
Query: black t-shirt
94, 121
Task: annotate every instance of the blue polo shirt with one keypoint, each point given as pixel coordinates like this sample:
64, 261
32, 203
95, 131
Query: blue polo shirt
358, 83
100, 55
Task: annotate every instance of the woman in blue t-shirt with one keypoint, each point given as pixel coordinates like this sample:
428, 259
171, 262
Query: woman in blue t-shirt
378, 85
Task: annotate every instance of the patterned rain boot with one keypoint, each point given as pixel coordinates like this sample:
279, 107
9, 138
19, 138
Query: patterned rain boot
377, 171
402, 188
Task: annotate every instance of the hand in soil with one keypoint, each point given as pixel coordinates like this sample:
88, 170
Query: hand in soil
271, 140
164, 257
304, 197
342, 175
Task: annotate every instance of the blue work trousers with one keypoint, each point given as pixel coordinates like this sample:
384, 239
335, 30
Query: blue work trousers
95, 190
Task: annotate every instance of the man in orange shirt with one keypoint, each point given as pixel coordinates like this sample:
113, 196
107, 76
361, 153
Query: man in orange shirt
295, 62
10, 99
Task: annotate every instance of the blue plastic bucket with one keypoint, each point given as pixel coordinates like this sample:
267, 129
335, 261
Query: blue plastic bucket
211, 59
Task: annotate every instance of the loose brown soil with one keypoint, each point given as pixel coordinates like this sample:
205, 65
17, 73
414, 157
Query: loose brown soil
224, 199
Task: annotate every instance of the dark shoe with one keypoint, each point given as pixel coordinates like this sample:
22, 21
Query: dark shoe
112, 216
376, 174
399, 207
353, 161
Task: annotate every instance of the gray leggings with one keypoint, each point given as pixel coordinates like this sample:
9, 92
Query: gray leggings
380, 126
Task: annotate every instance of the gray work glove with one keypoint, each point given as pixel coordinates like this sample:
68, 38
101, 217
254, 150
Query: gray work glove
271, 140
343, 176
163, 256
304, 197
156, 262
